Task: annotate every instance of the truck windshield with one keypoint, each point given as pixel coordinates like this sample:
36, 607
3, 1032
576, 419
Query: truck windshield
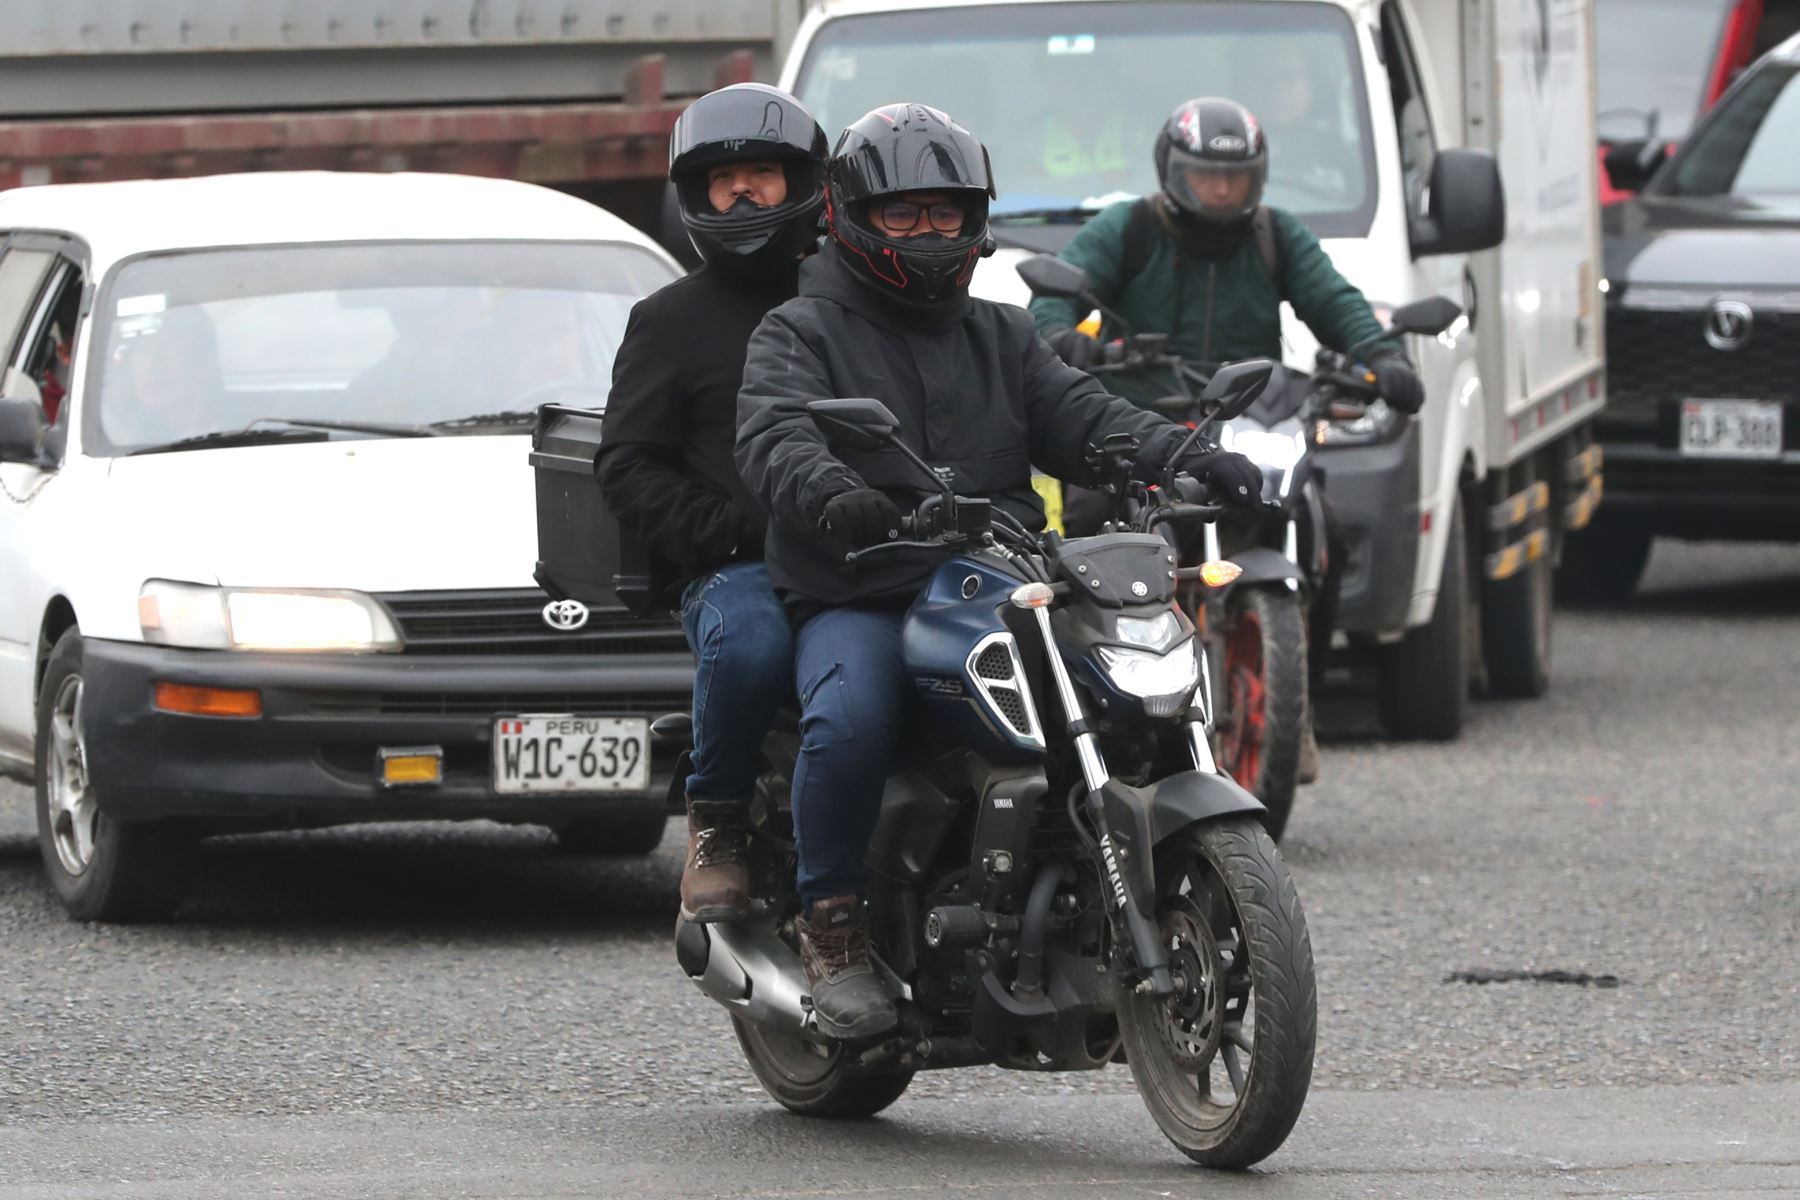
200, 347
1654, 57
1747, 150
1068, 97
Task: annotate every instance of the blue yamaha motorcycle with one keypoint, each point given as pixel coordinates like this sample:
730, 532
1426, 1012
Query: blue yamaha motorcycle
1060, 878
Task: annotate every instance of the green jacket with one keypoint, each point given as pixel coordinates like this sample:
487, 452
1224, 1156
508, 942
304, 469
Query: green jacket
1214, 310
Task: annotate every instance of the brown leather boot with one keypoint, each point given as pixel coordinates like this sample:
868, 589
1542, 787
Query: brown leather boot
715, 882
848, 997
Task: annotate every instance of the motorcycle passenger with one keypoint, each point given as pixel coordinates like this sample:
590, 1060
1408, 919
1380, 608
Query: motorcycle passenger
884, 311
747, 163
1205, 261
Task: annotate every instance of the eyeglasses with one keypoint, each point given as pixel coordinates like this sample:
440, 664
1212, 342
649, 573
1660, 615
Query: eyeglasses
902, 216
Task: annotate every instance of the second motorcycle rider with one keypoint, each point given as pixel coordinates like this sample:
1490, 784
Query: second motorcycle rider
747, 163
884, 312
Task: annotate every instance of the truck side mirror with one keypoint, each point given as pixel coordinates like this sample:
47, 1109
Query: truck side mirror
1466, 209
1630, 165
22, 430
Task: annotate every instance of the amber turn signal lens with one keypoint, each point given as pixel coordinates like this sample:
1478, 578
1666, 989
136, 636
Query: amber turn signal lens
1219, 572
402, 767
208, 702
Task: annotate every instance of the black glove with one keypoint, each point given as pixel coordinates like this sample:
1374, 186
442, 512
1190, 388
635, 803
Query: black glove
1398, 382
1233, 478
861, 517
1074, 347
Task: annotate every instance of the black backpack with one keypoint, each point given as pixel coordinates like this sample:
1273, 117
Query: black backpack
1137, 243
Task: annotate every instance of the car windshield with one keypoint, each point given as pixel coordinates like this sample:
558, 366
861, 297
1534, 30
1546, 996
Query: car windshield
1747, 150
1068, 97
216, 346
1654, 56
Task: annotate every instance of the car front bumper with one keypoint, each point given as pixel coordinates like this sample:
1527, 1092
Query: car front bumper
312, 757
1654, 487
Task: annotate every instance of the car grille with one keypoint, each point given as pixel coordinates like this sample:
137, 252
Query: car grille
512, 622
1655, 359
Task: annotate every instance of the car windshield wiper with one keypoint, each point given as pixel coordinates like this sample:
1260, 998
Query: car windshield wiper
235, 437
1073, 212
505, 418
375, 428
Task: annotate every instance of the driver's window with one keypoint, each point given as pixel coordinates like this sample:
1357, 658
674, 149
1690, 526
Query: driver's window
1412, 120
47, 350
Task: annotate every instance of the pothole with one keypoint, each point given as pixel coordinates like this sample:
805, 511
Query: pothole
1511, 975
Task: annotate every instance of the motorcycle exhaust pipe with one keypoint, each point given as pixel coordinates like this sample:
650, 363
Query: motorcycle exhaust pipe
745, 966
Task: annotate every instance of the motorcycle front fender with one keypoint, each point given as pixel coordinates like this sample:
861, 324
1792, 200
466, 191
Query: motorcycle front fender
1179, 801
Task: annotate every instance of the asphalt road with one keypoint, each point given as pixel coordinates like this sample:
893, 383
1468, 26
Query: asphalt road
464, 1011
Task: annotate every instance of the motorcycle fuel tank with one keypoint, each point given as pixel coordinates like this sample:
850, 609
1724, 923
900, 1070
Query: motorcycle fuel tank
966, 664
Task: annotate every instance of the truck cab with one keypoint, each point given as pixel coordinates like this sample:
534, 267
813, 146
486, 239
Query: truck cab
1386, 120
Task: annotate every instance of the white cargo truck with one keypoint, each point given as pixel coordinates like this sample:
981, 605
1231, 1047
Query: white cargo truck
1386, 121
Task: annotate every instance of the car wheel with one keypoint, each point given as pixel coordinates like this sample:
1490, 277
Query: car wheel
101, 868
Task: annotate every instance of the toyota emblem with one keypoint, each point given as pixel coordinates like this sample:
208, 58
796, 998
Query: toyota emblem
1728, 325
566, 616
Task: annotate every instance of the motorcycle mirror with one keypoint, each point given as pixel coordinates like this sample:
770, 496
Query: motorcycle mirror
1235, 387
859, 424
1047, 275
1430, 316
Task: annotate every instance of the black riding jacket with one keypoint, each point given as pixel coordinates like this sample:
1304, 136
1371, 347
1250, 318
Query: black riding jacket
978, 394
665, 464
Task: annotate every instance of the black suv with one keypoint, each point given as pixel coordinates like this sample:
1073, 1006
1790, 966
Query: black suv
1702, 428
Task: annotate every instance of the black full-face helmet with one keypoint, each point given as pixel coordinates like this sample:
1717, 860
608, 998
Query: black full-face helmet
901, 148
1211, 135
748, 122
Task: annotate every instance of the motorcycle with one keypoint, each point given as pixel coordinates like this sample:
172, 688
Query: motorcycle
1268, 620
1060, 877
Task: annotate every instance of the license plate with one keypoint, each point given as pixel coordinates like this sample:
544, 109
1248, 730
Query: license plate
548, 752
1730, 429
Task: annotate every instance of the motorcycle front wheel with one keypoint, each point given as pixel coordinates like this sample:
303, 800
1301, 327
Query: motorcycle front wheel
816, 1079
1224, 1064
1265, 710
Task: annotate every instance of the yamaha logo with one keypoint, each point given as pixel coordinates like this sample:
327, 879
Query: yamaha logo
566, 616
1138, 588
1728, 325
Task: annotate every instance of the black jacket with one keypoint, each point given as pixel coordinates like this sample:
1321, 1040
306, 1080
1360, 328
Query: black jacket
665, 462
978, 394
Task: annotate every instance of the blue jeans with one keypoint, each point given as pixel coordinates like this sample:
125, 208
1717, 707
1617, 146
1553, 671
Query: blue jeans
743, 674
854, 705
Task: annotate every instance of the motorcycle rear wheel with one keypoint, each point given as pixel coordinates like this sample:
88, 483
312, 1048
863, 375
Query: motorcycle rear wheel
1224, 1065
814, 1079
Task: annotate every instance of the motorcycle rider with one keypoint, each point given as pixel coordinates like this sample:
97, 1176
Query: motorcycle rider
1205, 261
884, 311
747, 163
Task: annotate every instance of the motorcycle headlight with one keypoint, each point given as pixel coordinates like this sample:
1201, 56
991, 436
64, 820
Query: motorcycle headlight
1155, 633
199, 617
1275, 451
1162, 681
1378, 423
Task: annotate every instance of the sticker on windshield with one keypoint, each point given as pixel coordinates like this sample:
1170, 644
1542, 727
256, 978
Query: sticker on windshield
139, 306
1075, 43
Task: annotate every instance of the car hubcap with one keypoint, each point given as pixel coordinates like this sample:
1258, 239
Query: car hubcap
74, 818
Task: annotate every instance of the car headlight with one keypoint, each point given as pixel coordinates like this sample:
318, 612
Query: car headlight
1155, 633
1377, 423
1162, 681
199, 617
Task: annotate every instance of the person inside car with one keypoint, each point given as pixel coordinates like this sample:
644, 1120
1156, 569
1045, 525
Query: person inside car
163, 381
884, 311
747, 165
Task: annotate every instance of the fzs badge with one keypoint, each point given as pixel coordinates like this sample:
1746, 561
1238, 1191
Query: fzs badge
565, 615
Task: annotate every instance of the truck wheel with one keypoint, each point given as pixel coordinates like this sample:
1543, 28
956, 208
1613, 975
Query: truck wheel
1425, 677
628, 833
1602, 563
1515, 632
1265, 706
102, 869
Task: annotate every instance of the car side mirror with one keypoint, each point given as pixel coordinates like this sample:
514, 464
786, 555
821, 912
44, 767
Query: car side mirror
1430, 316
859, 424
1047, 275
1466, 208
1235, 387
22, 428
1631, 164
